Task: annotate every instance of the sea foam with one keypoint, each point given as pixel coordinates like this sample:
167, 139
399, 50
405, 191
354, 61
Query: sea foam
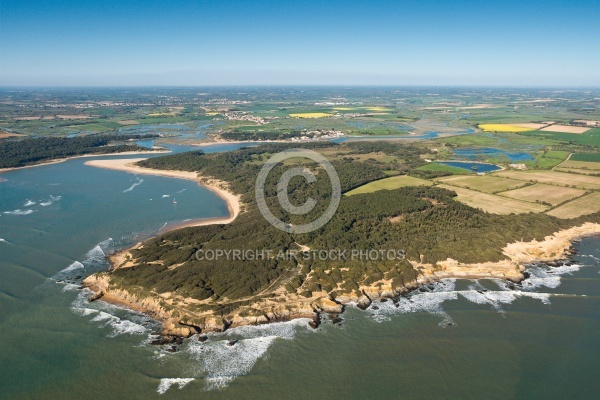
430, 302
547, 276
166, 383
19, 212
138, 182
50, 201
223, 363
104, 314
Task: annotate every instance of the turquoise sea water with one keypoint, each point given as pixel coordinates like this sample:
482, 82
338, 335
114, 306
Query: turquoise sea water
460, 339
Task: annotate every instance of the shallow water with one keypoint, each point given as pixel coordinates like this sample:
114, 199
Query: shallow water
473, 167
463, 339
488, 152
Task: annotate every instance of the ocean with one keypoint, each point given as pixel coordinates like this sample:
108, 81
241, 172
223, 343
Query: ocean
461, 339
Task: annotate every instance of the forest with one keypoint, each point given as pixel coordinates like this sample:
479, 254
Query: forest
425, 222
20, 152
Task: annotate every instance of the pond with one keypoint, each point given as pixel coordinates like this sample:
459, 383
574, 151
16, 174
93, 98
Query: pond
472, 166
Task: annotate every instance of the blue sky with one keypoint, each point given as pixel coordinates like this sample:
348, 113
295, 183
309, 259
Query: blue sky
184, 42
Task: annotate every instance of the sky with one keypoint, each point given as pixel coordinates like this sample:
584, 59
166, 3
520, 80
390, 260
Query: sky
197, 43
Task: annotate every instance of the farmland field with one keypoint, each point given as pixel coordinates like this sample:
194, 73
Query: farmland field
594, 166
492, 203
589, 138
554, 178
486, 183
363, 109
310, 115
548, 159
589, 157
565, 129
505, 128
544, 193
578, 170
393, 182
582, 206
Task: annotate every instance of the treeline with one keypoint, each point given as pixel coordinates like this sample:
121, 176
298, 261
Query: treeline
237, 134
27, 151
424, 222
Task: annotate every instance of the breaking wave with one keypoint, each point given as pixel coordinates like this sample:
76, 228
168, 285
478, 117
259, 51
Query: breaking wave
50, 201
166, 383
29, 203
222, 363
20, 212
120, 320
430, 301
94, 260
547, 276
138, 182
228, 355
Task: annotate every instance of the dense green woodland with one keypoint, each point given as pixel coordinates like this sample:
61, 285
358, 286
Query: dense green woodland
426, 222
21, 152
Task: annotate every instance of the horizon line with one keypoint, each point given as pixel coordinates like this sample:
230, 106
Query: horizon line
260, 85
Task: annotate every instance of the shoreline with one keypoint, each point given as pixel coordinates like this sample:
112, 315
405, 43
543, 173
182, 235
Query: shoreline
118, 259
61, 160
214, 185
553, 248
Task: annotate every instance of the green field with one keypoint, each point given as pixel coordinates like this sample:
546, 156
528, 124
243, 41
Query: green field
445, 168
548, 159
589, 157
95, 127
503, 141
589, 138
391, 183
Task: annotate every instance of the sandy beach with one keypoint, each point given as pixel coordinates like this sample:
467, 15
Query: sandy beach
216, 186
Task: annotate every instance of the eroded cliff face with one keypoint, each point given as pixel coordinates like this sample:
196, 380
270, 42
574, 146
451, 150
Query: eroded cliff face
182, 316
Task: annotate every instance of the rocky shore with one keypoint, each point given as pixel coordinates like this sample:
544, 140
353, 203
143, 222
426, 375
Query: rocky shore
179, 319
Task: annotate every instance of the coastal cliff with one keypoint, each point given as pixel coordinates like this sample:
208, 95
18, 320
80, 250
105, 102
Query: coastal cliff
179, 315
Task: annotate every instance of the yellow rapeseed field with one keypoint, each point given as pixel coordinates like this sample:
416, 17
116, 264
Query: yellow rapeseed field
377, 108
310, 115
503, 128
